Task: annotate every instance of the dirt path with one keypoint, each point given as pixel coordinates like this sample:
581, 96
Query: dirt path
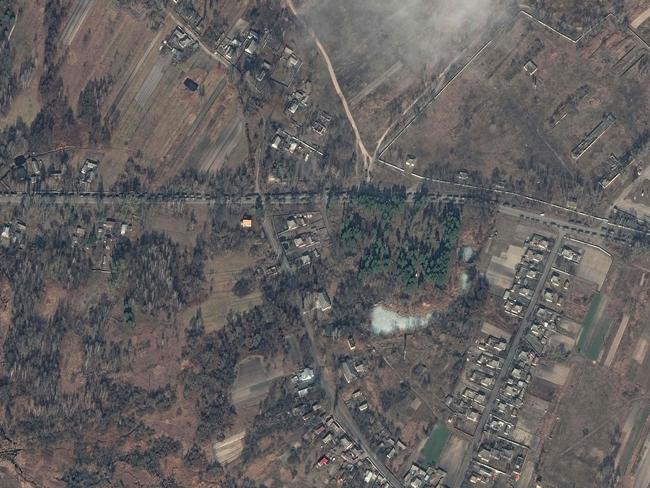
433, 92
12, 28
376, 83
363, 152
641, 18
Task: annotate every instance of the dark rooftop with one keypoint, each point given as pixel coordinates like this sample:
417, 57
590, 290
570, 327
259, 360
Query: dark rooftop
190, 84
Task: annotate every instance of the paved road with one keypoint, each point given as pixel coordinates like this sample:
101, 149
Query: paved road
506, 206
505, 371
551, 221
342, 414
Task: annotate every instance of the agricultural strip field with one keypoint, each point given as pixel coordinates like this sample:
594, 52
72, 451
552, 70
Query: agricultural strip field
634, 437
222, 273
110, 44
75, 21
594, 329
617, 340
160, 114
598, 339
435, 445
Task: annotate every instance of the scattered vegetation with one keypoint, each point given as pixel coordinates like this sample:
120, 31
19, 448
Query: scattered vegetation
89, 112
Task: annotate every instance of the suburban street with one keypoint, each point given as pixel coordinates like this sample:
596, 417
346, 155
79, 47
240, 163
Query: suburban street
505, 370
342, 414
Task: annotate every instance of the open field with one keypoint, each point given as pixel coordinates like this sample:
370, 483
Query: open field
535, 117
182, 224
489, 329
147, 106
435, 445
451, 458
382, 54
28, 46
222, 274
554, 373
594, 266
588, 413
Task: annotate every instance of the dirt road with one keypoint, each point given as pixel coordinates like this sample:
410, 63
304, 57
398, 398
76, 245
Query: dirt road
364, 154
641, 18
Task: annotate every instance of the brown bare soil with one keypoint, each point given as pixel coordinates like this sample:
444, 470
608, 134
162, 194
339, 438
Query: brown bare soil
495, 99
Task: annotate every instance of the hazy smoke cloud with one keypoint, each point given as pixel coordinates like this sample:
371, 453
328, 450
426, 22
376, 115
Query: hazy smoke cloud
422, 34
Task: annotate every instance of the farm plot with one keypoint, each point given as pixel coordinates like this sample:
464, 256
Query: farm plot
452, 457
230, 448
147, 105
435, 445
75, 20
489, 329
631, 434
556, 373
109, 43
501, 270
642, 474
158, 119
617, 340
217, 137
595, 329
222, 274
253, 382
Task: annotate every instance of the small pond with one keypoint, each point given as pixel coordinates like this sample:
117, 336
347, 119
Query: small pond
385, 321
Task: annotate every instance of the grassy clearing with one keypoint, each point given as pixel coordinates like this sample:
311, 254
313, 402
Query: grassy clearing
588, 322
598, 338
642, 416
435, 444
215, 309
